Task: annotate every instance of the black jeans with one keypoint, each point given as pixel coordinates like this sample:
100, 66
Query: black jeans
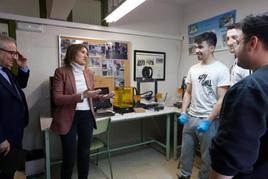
7, 175
82, 127
14, 160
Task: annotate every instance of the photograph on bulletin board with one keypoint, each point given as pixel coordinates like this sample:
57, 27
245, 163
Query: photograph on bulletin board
104, 58
217, 24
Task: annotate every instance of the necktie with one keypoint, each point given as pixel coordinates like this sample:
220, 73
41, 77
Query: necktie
11, 80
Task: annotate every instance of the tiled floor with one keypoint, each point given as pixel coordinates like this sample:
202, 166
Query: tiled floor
145, 163
142, 164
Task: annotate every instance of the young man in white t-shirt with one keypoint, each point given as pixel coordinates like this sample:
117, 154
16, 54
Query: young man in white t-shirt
207, 82
237, 73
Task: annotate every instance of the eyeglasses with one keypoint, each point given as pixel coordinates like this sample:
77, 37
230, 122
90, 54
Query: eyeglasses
12, 53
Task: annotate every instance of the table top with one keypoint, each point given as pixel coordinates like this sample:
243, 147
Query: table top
148, 113
45, 122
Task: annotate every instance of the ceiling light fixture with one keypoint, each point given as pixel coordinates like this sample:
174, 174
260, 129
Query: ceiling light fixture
123, 9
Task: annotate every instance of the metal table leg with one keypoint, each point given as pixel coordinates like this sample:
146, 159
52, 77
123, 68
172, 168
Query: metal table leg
175, 140
168, 137
47, 152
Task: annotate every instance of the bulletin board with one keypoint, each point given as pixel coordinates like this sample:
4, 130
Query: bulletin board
108, 59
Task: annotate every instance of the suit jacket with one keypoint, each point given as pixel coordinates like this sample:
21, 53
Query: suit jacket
65, 98
13, 109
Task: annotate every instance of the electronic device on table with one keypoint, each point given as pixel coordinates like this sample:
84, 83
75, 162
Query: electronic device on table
103, 107
148, 99
106, 113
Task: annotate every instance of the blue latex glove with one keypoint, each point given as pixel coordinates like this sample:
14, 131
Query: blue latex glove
183, 118
203, 126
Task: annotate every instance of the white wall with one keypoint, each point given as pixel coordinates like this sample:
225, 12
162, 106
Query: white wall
164, 18
196, 12
41, 49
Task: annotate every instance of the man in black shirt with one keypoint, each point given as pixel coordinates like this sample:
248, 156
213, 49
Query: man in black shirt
240, 148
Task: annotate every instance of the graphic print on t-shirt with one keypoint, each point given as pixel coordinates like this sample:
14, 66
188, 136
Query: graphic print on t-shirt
206, 83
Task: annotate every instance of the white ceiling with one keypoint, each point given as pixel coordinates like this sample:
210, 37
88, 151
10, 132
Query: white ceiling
59, 9
176, 1
183, 1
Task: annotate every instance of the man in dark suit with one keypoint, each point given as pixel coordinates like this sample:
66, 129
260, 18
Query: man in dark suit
13, 107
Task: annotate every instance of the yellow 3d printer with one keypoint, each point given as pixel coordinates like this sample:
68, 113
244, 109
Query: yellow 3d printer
123, 99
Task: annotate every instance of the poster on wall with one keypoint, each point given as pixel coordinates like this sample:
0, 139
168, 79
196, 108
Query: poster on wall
106, 58
155, 60
217, 24
4, 29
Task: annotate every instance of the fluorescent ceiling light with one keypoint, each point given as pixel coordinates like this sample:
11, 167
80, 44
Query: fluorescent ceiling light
123, 9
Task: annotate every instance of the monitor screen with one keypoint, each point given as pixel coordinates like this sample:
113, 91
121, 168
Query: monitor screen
102, 104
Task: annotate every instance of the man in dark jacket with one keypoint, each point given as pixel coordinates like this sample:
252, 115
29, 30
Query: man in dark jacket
13, 107
239, 150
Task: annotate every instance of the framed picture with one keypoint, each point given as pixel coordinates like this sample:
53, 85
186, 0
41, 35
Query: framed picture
155, 60
4, 29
